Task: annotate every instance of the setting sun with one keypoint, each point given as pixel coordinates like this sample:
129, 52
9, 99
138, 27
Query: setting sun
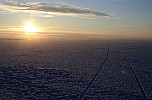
30, 28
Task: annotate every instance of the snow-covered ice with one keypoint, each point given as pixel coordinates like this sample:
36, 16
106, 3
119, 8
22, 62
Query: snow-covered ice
44, 70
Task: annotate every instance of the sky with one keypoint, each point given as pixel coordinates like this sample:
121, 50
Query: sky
75, 19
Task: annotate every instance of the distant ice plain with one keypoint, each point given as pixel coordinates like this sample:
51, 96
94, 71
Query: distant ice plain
51, 70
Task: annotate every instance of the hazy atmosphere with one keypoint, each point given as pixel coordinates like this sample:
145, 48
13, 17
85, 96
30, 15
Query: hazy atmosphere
75, 19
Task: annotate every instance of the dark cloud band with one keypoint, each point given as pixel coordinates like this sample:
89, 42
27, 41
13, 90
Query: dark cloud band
52, 9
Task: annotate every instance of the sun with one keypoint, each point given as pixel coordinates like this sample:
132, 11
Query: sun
30, 28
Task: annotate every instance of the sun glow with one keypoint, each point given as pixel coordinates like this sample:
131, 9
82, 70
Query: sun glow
30, 28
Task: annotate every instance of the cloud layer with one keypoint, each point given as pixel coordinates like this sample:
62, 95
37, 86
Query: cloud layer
50, 9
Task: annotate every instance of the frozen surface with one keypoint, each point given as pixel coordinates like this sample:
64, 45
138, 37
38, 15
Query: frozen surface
39, 70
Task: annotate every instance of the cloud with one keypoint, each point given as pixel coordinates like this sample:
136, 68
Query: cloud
50, 9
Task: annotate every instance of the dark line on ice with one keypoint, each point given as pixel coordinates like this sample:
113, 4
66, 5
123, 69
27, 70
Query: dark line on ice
81, 97
139, 84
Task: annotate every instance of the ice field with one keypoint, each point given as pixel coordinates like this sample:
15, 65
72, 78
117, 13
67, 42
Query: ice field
55, 70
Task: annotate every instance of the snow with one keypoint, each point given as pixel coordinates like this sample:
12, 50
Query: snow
43, 70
